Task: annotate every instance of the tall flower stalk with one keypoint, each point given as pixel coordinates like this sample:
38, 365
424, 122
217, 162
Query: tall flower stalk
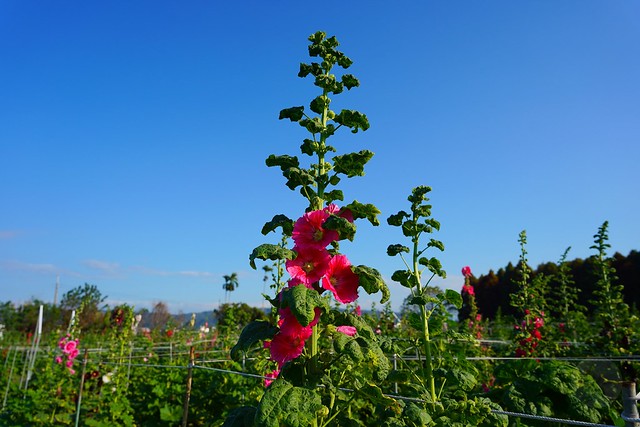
414, 225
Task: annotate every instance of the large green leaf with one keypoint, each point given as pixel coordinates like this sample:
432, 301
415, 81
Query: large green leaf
364, 211
256, 331
453, 297
352, 164
354, 120
371, 281
268, 251
303, 301
345, 228
393, 250
285, 405
284, 162
294, 113
279, 220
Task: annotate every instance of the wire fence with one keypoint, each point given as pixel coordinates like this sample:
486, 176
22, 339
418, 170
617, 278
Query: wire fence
138, 358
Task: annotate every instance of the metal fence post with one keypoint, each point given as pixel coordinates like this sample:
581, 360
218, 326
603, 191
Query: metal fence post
629, 403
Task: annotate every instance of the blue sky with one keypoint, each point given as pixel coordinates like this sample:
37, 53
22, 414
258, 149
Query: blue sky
133, 135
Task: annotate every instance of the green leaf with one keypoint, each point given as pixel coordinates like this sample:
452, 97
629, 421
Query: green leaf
352, 164
434, 266
313, 125
397, 219
256, 331
350, 81
309, 147
271, 252
368, 211
240, 417
319, 103
371, 281
303, 301
298, 177
418, 194
433, 243
294, 113
353, 120
344, 227
305, 69
330, 196
285, 405
279, 220
393, 250
171, 413
453, 297
284, 162
404, 277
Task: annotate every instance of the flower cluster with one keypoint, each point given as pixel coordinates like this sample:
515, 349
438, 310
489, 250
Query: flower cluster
475, 318
315, 268
529, 332
70, 350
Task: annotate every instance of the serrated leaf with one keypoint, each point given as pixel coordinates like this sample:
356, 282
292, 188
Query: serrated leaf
371, 281
297, 177
353, 120
294, 113
365, 211
309, 147
319, 103
330, 196
404, 277
350, 81
271, 252
453, 297
433, 243
303, 301
284, 162
352, 164
345, 228
258, 330
279, 220
313, 125
285, 405
393, 250
397, 219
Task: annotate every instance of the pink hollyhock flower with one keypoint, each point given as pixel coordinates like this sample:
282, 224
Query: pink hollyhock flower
73, 353
72, 371
289, 325
285, 347
538, 322
62, 342
358, 311
69, 363
58, 359
340, 280
309, 233
536, 334
70, 346
309, 265
468, 289
270, 376
466, 271
347, 330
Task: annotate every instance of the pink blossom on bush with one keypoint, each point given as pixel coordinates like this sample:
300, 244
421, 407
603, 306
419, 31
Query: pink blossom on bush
341, 280
308, 232
347, 330
309, 265
468, 289
466, 271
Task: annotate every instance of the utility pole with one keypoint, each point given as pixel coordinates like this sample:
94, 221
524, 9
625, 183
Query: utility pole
55, 294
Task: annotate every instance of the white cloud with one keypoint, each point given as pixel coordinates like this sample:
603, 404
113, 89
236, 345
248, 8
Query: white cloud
106, 267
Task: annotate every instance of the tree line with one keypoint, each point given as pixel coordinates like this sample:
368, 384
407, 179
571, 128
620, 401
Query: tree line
493, 290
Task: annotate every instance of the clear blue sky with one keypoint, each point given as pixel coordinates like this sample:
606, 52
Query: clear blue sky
133, 135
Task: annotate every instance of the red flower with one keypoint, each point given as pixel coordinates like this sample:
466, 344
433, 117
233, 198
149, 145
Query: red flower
343, 213
310, 264
308, 231
286, 347
468, 289
466, 271
169, 333
340, 280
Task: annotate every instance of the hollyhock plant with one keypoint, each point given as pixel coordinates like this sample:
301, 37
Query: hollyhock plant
341, 280
466, 271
